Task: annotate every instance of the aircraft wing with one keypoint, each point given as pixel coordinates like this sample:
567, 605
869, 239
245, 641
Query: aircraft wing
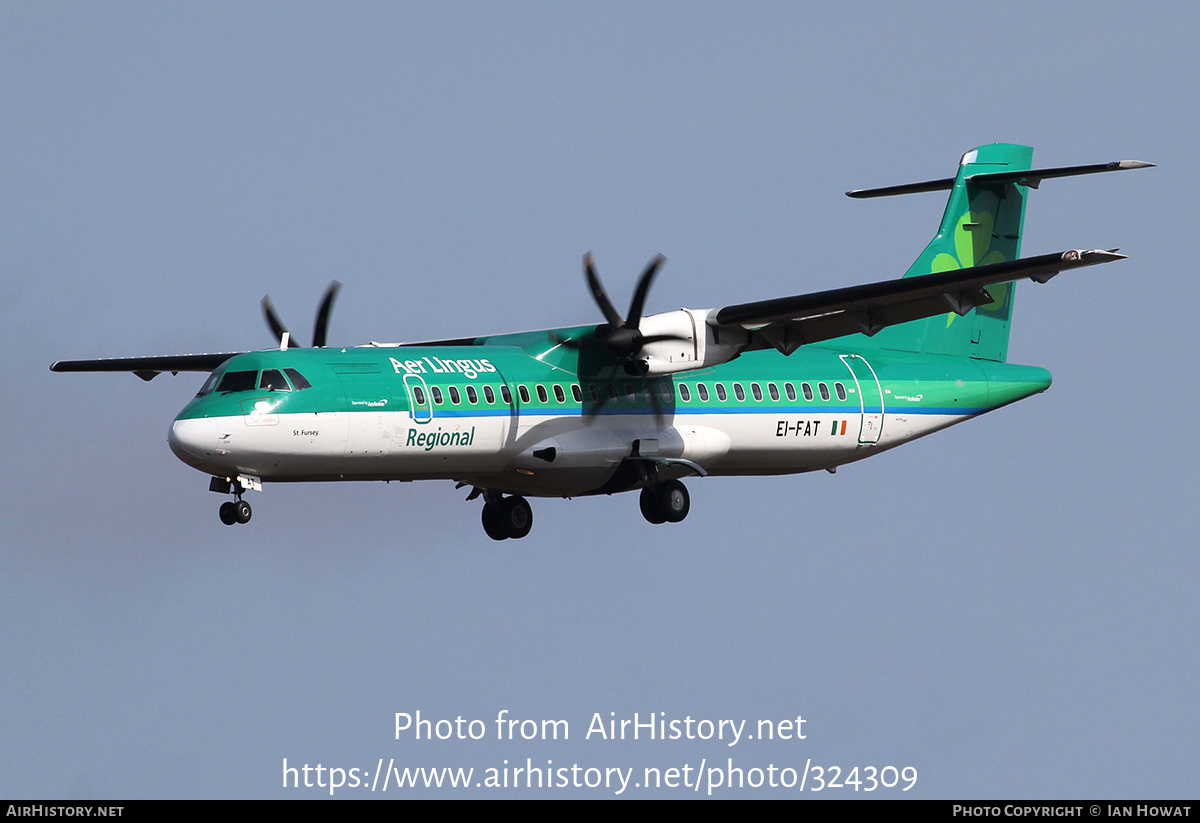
789, 322
148, 368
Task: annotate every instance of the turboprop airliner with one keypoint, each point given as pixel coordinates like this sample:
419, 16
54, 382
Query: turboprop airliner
637, 403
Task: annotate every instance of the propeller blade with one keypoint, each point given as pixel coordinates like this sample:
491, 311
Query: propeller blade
606, 306
659, 415
276, 326
607, 390
639, 295
322, 324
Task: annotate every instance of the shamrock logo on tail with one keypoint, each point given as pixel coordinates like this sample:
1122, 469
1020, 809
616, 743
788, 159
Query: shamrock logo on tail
972, 247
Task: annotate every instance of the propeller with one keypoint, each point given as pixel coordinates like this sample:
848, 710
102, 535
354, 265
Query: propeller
319, 328
621, 336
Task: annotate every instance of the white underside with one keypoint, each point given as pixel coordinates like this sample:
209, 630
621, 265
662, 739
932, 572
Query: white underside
492, 452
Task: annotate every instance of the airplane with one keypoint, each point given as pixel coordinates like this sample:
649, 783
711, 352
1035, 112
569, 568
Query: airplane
636, 403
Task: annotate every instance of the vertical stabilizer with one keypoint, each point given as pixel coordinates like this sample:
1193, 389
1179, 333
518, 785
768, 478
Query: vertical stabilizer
982, 224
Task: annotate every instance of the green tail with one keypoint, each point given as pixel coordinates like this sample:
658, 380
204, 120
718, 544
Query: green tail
982, 225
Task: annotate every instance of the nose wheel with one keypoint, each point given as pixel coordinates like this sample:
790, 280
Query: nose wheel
507, 517
666, 502
235, 511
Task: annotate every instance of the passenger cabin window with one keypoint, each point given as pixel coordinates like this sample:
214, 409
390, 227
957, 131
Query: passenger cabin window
756, 391
739, 392
807, 389
454, 395
298, 381
790, 390
238, 381
773, 391
841, 391
684, 394
524, 392
559, 394
437, 395
721, 392
630, 392
488, 394
824, 390
542, 396
505, 394
702, 390
665, 390
594, 392
272, 380
577, 392
418, 395
472, 397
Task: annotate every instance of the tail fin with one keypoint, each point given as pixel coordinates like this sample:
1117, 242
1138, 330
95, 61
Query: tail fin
982, 224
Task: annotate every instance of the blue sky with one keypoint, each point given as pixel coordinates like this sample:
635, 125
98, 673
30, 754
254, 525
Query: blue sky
1008, 607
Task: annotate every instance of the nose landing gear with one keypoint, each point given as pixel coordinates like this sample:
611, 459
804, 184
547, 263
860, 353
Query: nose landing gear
236, 510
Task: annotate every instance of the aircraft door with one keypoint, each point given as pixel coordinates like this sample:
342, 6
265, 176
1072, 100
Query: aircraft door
420, 407
870, 397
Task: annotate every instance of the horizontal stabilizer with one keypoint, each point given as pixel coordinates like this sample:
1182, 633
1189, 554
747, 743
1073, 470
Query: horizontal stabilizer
148, 368
1033, 177
1026, 177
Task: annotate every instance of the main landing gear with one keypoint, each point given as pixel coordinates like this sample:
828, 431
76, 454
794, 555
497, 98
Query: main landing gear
666, 502
505, 517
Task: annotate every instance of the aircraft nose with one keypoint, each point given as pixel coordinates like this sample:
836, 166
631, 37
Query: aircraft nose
193, 440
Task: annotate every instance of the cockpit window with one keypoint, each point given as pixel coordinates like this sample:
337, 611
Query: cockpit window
209, 383
272, 380
298, 379
237, 381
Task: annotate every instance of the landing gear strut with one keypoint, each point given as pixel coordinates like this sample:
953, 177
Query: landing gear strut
666, 502
505, 517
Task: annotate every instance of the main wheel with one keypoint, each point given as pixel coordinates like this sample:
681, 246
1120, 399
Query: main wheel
516, 516
226, 513
674, 500
493, 523
651, 510
242, 512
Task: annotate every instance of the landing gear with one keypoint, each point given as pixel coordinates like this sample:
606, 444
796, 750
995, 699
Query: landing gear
651, 510
505, 517
235, 511
666, 502
242, 512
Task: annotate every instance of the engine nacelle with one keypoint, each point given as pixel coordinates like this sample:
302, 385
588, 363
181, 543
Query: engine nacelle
699, 346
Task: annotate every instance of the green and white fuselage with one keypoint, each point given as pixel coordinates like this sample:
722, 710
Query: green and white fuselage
375, 413
781, 386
